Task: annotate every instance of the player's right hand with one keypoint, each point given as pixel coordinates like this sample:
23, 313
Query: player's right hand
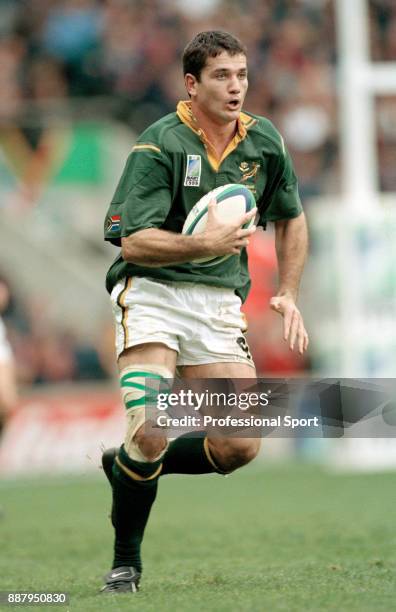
227, 238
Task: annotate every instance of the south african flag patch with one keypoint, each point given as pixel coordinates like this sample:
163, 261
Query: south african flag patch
113, 223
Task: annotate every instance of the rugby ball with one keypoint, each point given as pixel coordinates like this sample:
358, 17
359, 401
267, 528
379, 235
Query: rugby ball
232, 201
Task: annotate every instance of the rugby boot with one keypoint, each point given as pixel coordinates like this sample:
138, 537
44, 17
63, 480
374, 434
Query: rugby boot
121, 580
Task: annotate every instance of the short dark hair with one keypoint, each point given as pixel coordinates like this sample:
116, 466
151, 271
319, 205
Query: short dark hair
209, 44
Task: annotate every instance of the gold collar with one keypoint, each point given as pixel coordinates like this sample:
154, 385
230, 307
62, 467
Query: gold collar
185, 114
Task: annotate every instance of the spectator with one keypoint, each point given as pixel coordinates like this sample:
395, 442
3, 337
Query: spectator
8, 387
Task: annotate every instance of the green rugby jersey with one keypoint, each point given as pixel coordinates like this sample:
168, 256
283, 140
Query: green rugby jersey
173, 165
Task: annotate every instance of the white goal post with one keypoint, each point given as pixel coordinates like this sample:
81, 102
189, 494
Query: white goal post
360, 80
352, 271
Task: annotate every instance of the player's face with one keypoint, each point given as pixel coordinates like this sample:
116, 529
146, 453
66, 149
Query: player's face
221, 90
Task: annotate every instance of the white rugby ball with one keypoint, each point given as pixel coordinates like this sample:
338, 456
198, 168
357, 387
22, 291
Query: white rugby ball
232, 201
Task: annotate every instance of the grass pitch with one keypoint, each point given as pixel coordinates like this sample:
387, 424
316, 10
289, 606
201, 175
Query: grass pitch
266, 538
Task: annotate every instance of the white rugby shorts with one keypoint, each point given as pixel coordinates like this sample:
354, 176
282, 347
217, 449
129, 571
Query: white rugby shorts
203, 324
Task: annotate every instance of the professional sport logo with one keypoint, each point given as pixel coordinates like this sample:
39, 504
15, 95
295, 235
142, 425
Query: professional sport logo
193, 171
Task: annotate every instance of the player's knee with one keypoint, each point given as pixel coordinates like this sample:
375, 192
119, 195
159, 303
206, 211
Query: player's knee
150, 444
232, 454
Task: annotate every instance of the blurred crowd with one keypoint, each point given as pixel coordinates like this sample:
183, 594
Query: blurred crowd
46, 353
125, 54
123, 57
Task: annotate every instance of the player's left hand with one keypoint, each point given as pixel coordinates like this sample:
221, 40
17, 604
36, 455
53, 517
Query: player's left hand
293, 324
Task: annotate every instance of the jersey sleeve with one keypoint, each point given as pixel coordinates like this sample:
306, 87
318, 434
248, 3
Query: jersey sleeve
143, 195
281, 199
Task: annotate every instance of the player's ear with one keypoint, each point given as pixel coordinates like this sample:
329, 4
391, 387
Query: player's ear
190, 82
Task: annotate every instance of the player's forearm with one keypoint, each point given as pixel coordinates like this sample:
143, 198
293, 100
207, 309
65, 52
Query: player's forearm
155, 248
291, 248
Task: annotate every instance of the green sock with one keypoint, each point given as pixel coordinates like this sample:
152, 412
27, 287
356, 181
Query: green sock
187, 455
132, 501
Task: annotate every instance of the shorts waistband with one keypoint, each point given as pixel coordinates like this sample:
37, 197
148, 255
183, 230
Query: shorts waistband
184, 284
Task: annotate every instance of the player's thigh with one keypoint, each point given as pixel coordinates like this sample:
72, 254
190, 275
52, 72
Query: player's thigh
234, 370
149, 353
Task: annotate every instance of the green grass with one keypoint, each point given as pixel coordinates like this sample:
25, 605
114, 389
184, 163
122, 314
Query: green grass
284, 538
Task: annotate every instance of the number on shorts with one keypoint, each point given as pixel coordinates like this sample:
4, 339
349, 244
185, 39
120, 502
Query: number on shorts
241, 340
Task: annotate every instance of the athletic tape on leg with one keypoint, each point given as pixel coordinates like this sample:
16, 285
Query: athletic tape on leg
140, 387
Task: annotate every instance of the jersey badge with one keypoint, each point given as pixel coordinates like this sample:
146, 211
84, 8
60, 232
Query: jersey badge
248, 170
113, 223
193, 171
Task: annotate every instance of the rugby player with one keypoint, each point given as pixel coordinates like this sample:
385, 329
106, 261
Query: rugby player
170, 313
